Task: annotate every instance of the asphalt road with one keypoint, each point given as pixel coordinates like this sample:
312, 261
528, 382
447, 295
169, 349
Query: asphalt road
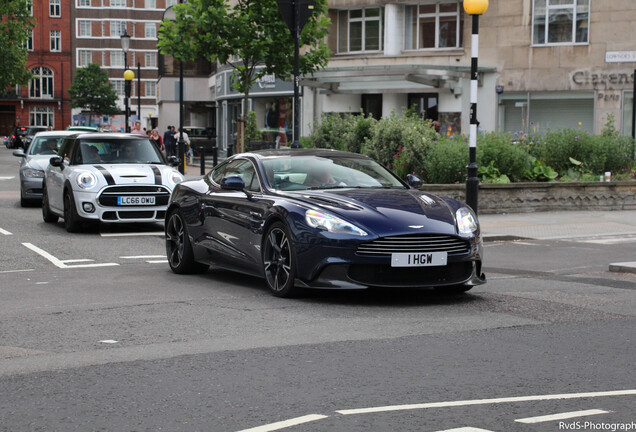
96, 334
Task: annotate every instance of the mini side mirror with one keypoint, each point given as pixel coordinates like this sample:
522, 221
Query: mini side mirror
413, 180
19, 153
57, 161
173, 161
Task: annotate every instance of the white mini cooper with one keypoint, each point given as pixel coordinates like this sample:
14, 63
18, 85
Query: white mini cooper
108, 177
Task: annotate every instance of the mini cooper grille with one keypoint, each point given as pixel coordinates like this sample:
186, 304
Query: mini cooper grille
416, 244
109, 195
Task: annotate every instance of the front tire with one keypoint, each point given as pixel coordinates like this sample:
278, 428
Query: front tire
72, 221
178, 246
46, 210
279, 261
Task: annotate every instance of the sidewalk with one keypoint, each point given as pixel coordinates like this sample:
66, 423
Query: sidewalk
561, 225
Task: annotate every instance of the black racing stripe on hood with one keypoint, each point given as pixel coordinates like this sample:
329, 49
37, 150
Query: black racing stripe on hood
157, 174
109, 178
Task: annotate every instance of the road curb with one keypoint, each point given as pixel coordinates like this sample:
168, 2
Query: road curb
624, 267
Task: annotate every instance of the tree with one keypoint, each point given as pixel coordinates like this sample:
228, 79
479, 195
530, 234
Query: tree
248, 35
92, 91
16, 23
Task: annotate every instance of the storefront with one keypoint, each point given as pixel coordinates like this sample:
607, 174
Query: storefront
271, 99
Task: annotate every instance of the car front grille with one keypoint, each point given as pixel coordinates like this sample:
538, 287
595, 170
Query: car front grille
108, 197
387, 276
414, 243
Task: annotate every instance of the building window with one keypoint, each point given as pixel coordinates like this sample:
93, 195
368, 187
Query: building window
84, 3
151, 88
433, 26
85, 58
41, 85
360, 30
41, 116
151, 4
151, 59
151, 30
117, 28
55, 8
560, 22
56, 40
170, 3
30, 41
117, 58
85, 28
119, 87
117, 3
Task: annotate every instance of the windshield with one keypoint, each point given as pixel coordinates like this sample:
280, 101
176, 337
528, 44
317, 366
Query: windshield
48, 145
118, 151
314, 172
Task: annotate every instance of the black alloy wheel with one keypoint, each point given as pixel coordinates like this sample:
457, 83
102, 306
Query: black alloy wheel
279, 261
178, 246
46, 209
72, 221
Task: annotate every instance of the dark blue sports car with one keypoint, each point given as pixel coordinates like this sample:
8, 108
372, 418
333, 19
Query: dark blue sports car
321, 219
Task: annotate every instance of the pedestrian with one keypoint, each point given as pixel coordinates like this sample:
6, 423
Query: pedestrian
168, 141
137, 129
186, 140
156, 138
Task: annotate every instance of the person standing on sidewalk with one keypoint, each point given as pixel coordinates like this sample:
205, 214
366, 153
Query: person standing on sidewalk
168, 141
186, 140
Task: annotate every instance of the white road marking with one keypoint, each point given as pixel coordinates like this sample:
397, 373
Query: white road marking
5, 232
59, 263
77, 260
561, 416
286, 423
142, 256
155, 233
163, 261
109, 341
466, 429
7, 178
17, 271
486, 401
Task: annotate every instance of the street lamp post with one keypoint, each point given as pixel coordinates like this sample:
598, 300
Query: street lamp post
474, 8
128, 76
125, 46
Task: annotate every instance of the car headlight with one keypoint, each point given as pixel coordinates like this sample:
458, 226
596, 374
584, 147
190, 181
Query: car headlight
86, 180
33, 173
466, 221
331, 223
175, 178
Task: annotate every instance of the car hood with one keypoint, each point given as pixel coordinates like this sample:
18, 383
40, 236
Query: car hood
38, 162
386, 211
133, 173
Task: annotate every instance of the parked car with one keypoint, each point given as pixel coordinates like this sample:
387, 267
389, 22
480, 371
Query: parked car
34, 161
321, 219
22, 136
108, 177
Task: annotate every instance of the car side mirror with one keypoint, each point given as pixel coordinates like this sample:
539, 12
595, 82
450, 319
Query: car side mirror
233, 183
57, 161
19, 153
173, 161
413, 180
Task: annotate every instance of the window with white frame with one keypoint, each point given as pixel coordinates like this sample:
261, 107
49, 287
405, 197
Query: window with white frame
30, 41
117, 58
151, 30
85, 28
41, 116
151, 4
151, 59
433, 25
117, 3
56, 40
360, 30
151, 88
119, 87
560, 22
85, 58
55, 8
41, 85
84, 3
170, 3
117, 28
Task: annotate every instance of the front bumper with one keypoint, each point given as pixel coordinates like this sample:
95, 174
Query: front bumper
31, 187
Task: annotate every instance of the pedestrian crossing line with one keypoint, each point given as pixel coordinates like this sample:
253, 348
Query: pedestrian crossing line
561, 416
4, 232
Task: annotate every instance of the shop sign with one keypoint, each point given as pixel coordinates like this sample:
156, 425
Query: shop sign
265, 85
605, 80
620, 57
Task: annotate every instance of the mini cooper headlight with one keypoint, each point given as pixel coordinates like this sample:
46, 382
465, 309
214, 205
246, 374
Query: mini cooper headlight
86, 180
331, 223
466, 221
175, 178
33, 173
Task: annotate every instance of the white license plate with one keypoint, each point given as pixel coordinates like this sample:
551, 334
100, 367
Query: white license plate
135, 200
419, 259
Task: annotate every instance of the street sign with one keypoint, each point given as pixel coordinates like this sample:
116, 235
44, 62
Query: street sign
305, 9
